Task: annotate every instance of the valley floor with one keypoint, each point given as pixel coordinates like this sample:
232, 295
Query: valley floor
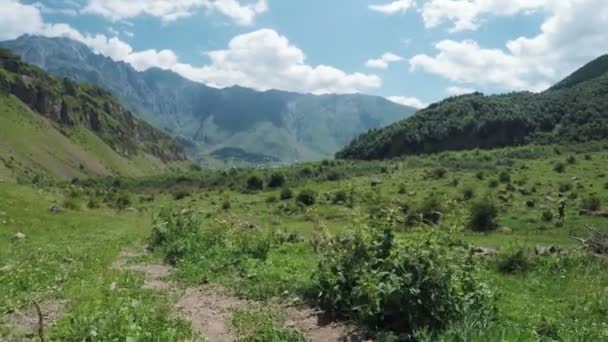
88, 269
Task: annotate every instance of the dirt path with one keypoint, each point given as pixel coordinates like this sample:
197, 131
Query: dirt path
209, 308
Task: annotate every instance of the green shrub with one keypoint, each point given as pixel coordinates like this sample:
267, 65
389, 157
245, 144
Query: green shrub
402, 189
71, 203
286, 194
438, 173
493, 183
340, 197
547, 216
565, 187
255, 183
571, 160
400, 285
431, 209
180, 195
94, 203
484, 216
334, 176
271, 199
307, 197
513, 259
504, 177
175, 234
276, 180
212, 248
468, 193
559, 167
123, 201
592, 203
480, 175
226, 205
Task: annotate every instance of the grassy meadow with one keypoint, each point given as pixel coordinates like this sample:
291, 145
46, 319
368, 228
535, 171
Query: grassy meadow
358, 239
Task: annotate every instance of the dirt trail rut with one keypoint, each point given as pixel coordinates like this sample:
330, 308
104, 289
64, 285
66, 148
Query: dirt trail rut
209, 308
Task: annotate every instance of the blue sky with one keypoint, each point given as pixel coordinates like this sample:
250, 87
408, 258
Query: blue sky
431, 48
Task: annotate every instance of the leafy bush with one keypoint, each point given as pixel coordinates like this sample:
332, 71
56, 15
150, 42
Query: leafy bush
71, 203
493, 183
468, 192
402, 189
307, 197
123, 201
226, 205
403, 286
340, 197
438, 173
255, 183
559, 167
513, 259
334, 176
212, 248
175, 233
547, 216
504, 177
431, 209
180, 195
271, 199
484, 215
94, 203
571, 160
286, 194
592, 203
276, 180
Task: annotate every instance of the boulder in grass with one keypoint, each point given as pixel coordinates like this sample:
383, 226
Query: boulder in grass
19, 236
56, 209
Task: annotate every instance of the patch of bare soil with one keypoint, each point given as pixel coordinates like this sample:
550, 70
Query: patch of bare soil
26, 323
210, 311
318, 327
209, 308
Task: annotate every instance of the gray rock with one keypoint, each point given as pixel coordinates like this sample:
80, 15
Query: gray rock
484, 251
547, 250
55, 209
375, 182
19, 236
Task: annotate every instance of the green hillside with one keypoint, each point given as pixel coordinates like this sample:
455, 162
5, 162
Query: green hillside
276, 125
53, 128
572, 111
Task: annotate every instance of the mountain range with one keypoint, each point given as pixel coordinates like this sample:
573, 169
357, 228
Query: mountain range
230, 125
574, 110
53, 127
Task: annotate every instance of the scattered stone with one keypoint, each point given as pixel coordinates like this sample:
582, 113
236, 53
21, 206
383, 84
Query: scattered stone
19, 236
547, 250
484, 251
131, 210
587, 212
505, 230
412, 193
55, 209
375, 182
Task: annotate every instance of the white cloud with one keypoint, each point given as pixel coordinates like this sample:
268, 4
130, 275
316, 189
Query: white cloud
467, 14
455, 91
408, 101
171, 10
18, 19
262, 59
565, 42
393, 7
383, 61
